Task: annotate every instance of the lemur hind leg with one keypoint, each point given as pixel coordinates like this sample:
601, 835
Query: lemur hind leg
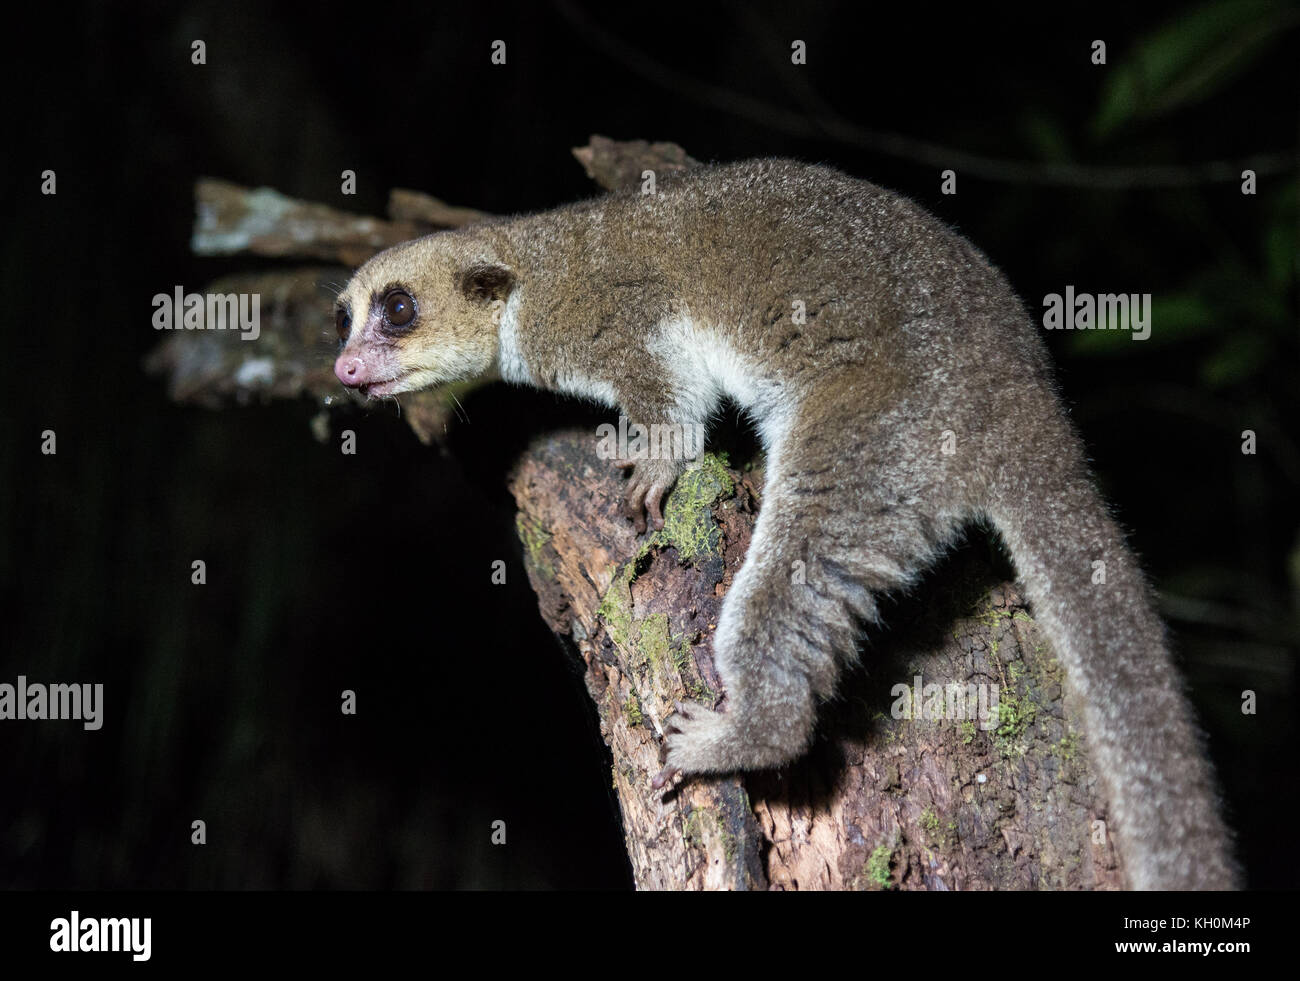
812, 576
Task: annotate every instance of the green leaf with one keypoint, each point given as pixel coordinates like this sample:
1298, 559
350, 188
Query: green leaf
1047, 137
1237, 360
1174, 317
1188, 59
1281, 243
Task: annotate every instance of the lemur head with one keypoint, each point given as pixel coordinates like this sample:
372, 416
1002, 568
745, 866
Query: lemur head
422, 313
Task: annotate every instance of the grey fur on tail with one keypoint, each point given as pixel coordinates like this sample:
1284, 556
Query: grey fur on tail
1092, 600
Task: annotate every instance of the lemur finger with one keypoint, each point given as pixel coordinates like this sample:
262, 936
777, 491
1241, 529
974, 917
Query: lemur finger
664, 776
653, 504
633, 507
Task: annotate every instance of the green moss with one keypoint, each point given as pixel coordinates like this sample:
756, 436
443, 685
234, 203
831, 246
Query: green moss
616, 611
648, 642
696, 826
967, 733
682, 656
626, 771
702, 824
653, 642
940, 834
632, 711
878, 867
535, 538
1015, 714
616, 605
991, 617
689, 675
691, 529
700, 692
729, 846
1068, 747
688, 514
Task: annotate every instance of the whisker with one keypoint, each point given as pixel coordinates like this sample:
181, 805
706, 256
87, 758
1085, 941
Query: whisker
461, 412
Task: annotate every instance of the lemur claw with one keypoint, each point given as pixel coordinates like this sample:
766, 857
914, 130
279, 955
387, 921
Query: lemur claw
645, 493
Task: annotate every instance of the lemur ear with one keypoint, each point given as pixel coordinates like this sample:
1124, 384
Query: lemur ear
485, 282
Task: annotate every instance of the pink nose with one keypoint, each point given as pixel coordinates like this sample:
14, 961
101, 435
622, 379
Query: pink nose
351, 370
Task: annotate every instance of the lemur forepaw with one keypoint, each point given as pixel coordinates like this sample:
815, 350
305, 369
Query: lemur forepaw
650, 481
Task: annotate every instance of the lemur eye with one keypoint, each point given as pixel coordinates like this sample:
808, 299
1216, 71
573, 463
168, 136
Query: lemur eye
343, 323
399, 309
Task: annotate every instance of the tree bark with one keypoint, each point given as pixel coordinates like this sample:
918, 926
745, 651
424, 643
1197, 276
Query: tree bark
880, 802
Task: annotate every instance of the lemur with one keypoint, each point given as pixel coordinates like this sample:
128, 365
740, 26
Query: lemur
859, 333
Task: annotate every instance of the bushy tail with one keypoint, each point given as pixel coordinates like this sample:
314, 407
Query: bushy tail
1090, 597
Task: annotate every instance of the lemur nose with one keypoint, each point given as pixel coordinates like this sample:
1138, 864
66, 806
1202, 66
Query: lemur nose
351, 370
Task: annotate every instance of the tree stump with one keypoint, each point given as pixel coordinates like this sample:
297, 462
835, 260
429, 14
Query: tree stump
903, 789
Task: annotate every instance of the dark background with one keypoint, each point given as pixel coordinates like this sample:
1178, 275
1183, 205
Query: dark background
372, 572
